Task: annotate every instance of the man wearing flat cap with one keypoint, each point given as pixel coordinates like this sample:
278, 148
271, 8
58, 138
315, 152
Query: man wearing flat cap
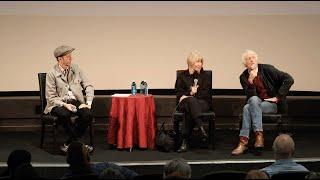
64, 85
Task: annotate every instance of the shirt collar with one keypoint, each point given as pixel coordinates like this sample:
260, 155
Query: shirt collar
284, 160
195, 73
61, 68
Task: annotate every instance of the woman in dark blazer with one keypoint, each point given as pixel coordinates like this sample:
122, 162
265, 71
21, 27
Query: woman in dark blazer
193, 93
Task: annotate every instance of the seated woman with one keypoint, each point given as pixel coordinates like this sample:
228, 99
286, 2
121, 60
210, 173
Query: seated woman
193, 92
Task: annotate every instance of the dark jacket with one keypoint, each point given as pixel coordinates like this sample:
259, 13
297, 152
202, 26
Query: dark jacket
97, 168
276, 82
185, 80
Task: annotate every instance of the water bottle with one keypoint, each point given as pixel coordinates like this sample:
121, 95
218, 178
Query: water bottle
146, 88
133, 88
142, 87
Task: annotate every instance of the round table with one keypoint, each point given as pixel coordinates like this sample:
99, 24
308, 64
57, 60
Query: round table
132, 122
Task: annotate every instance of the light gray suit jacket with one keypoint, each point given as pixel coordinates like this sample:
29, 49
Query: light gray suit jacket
57, 86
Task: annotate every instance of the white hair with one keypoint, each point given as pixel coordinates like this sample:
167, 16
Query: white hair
246, 54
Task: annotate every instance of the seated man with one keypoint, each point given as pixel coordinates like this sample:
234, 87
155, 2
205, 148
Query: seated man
283, 148
266, 88
64, 85
193, 92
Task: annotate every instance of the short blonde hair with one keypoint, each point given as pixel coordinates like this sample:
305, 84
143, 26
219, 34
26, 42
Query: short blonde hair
193, 57
246, 54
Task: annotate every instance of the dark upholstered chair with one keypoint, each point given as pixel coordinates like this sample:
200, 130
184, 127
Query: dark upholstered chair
270, 118
290, 175
50, 120
207, 116
227, 174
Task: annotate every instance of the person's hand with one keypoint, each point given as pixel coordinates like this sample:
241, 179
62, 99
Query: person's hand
274, 99
252, 75
194, 90
84, 106
183, 97
70, 107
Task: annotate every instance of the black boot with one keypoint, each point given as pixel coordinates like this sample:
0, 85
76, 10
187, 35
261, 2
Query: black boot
204, 134
183, 147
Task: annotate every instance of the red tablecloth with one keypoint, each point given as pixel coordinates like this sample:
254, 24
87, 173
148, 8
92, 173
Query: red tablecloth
132, 122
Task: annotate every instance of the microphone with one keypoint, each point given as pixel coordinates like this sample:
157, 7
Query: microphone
195, 82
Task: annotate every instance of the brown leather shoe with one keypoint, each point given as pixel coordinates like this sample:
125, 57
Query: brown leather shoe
242, 146
259, 139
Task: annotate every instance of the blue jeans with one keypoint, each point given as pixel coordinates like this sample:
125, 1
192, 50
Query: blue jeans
252, 114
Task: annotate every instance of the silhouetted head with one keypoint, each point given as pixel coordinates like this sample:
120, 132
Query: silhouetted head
25, 171
77, 154
17, 158
177, 168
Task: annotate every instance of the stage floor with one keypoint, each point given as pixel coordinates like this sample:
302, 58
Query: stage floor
307, 146
202, 160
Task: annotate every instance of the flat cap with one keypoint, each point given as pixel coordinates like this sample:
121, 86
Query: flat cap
62, 50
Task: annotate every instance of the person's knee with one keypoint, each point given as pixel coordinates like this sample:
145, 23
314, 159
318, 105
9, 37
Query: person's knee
254, 100
64, 114
265, 108
189, 104
85, 113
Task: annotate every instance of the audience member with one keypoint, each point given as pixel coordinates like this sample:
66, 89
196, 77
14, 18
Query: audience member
256, 174
111, 173
313, 175
177, 169
79, 160
25, 171
283, 148
15, 159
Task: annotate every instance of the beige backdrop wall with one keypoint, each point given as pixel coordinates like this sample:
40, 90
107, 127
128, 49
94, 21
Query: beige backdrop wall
114, 51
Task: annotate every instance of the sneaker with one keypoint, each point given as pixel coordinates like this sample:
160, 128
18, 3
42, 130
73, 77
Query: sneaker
89, 148
64, 148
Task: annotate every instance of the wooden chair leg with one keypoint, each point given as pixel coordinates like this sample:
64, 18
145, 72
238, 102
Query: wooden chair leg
43, 130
